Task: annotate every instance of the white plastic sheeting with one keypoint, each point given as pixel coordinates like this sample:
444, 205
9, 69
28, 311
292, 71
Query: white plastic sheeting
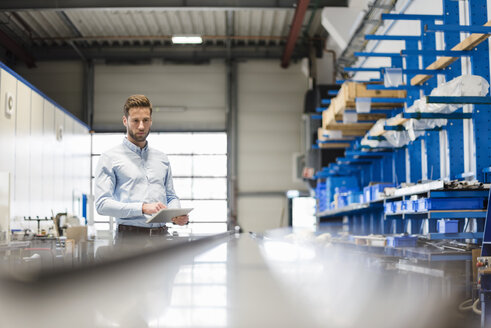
416, 128
462, 86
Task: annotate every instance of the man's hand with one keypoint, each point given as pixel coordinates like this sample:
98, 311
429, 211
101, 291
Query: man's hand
152, 208
181, 220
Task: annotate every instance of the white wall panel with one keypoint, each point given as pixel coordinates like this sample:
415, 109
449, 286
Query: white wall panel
82, 158
59, 165
48, 163
8, 85
270, 105
36, 158
270, 111
5, 196
68, 154
198, 90
44, 171
22, 151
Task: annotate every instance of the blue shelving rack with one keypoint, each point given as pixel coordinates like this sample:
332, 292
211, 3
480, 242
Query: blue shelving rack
389, 165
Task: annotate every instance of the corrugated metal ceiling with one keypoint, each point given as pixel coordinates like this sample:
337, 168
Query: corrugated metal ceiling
96, 27
85, 29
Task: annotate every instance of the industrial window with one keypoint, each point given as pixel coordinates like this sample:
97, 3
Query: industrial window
199, 292
199, 168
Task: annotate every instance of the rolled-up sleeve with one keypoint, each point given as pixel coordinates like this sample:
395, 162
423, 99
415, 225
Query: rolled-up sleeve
105, 184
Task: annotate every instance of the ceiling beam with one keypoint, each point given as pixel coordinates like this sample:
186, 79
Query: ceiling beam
16, 49
295, 28
16, 5
179, 54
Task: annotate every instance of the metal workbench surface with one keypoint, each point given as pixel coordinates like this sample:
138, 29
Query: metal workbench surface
278, 279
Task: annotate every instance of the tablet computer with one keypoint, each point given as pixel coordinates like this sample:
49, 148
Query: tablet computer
166, 215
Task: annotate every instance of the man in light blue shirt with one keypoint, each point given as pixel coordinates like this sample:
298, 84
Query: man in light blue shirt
133, 181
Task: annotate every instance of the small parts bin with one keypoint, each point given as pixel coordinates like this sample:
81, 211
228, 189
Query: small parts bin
389, 208
366, 194
433, 204
320, 192
448, 226
402, 241
355, 197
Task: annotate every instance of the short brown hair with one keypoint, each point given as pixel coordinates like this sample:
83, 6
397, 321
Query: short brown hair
136, 101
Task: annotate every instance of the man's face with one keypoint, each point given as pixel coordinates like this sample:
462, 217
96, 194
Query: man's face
138, 123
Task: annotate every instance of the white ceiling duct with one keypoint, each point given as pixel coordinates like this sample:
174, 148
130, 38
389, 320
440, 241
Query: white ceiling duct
341, 22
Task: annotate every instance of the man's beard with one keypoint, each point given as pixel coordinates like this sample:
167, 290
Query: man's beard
138, 138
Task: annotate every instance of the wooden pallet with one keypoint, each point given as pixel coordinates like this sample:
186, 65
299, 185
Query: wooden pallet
329, 118
349, 91
353, 90
350, 126
363, 117
354, 133
346, 99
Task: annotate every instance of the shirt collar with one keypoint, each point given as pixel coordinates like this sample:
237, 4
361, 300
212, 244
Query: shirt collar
134, 147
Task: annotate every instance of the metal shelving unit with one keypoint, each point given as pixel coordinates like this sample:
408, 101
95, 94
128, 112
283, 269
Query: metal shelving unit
404, 165
458, 150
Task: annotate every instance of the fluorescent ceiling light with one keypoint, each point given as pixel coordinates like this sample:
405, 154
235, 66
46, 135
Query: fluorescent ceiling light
187, 39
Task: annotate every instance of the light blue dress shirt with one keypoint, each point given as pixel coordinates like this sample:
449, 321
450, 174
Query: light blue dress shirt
128, 176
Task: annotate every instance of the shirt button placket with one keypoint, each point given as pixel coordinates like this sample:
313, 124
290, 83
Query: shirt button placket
145, 168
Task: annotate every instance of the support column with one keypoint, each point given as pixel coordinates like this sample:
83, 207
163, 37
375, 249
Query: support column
231, 129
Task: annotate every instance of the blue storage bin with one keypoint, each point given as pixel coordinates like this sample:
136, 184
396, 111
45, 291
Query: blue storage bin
355, 197
402, 241
340, 184
408, 206
399, 206
378, 189
367, 194
343, 199
389, 208
421, 205
448, 226
428, 204
320, 193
